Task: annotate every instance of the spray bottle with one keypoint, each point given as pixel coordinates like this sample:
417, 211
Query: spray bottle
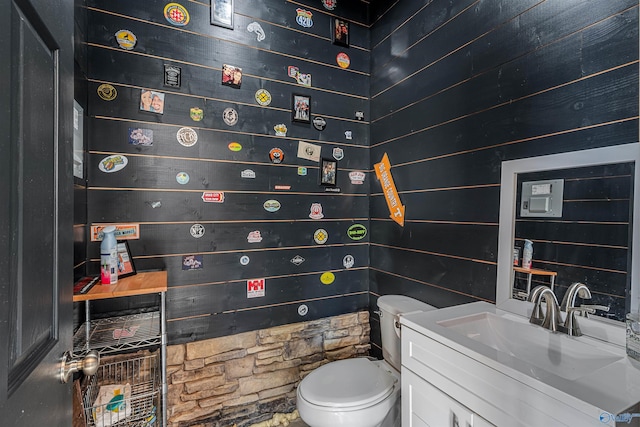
109, 256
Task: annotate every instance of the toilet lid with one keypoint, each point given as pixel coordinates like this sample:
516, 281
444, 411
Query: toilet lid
350, 382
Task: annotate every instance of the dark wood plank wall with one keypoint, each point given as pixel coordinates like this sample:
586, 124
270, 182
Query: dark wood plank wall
212, 301
457, 88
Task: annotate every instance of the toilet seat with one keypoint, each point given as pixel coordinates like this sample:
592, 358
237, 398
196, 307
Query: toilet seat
349, 384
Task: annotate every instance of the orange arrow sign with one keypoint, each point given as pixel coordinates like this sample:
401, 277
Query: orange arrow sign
396, 208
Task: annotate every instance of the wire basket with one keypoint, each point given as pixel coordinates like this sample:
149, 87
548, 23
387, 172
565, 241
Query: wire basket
124, 392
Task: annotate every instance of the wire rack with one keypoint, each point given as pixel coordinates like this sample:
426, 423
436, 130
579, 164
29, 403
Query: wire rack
117, 334
140, 407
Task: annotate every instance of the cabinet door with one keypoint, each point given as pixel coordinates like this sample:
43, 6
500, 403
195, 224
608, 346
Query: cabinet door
423, 405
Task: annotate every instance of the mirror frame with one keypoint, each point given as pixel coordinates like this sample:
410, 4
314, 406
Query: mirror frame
601, 328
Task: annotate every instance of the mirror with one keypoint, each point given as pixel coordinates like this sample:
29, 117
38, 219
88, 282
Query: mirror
607, 263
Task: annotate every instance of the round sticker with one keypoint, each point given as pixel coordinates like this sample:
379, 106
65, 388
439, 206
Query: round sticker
176, 14
320, 236
235, 146
107, 92
357, 232
230, 116
196, 114
303, 310
319, 123
187, 137
348, 261
182, 178
197, 230
113, 163
271, 205
244, 260
327, 278
276, 155
263, 97
126, 39
343, 60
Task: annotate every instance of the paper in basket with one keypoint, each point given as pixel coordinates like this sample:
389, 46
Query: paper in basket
112, 405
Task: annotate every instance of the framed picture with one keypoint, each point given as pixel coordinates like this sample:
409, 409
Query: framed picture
125, 261
151, 101
328, 172
300, 108
340, 32
222, 13
231, 76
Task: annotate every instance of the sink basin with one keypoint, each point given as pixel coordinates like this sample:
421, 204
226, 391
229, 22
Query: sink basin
555, 353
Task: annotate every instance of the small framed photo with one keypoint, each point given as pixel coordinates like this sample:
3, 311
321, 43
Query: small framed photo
151, 101
328, 172
231, 76
300, 108
222, 13
340, 32
125, 261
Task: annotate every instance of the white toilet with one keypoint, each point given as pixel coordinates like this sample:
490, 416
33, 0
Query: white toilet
360, 392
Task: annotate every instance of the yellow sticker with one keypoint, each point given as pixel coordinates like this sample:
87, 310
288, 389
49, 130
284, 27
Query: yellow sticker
327, 278
235, 146
126, 39
107, 92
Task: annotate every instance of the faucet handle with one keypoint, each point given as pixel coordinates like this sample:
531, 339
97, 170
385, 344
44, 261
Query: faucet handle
585, 309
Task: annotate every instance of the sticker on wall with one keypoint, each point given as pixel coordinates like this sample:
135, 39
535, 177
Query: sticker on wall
231, 76
244, 260
138, 136
256, 288
126, 39
155, 204
359, 115
254, 237
303, 310
319, 123
176, 14
197, 231
192, 262
348, 261
309, 151
302, 171
396, 208
234, 146
213, 196
182, 178
304, 18
320, 236
172, 75
357, 232
107, 92
276, 155
316, 211
332, 190
151, 101
196, 114
281, 129
271, 205
247, 173
327, 278
187, 137
357, 177
230, 116
343, 60
302, 78
282, 187
113, 163
348, 134
297, 260
329, 4
125, 231
338, 153
255, 27
263, 97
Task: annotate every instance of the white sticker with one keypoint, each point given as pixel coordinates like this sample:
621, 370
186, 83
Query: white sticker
348, 261
255, 27
197, 230
244, 260
254, 237
113, 163
297, 260
316, 211
187, 137
303, 310
309, 151
320, 236
230, 116
256, 288
357, 177
247, 173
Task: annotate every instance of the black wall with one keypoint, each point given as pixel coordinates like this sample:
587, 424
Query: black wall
457, 88
212, 301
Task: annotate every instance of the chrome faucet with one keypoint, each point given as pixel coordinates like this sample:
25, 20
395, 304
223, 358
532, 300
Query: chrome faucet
550, 319
577, 289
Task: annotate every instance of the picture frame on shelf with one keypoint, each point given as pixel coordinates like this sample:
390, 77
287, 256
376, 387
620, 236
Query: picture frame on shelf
126, 267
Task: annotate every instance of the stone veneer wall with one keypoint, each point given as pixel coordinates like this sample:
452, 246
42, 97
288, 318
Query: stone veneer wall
242, 379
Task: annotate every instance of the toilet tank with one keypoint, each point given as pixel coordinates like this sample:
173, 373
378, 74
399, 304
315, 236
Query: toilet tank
390, 307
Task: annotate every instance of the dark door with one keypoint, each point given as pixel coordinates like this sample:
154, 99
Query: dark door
36, 182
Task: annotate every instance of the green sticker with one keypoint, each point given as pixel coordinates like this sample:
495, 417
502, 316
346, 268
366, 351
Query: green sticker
357, 232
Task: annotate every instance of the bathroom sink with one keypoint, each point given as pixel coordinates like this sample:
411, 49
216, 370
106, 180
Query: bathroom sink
542, 350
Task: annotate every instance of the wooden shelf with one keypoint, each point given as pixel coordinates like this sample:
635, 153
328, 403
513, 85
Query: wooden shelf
146, 282
535, 271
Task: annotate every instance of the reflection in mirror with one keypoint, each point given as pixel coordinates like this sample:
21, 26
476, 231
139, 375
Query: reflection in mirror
593, 240
588, 243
